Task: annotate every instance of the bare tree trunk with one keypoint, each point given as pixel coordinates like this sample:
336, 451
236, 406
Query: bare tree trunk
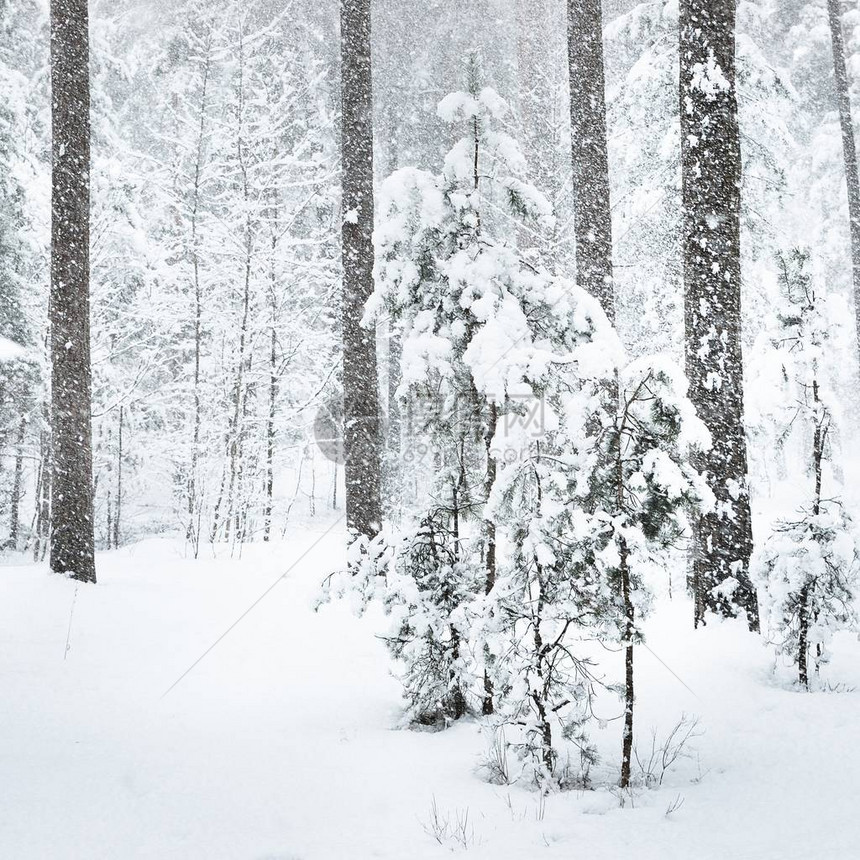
592, 213
17, 487
392, 476
394, 428
274, 226
803, 636
236, 427
547, 753
849, 148
456, 697
819, 437
360, 384
490, 560
193, 527
42, 522
119, 456
711, 182
629, 613
270, 434
629, 689
72, 537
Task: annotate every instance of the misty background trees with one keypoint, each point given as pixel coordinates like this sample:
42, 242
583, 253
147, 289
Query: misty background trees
214, 337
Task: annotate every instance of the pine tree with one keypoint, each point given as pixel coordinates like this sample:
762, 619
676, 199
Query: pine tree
460, 296
809, 567
642, 489
550, 594
711, 183
72, 538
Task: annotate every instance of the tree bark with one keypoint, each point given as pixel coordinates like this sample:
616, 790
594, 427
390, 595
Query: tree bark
72, 538
849, 149
360, 383
711, 182
592, 213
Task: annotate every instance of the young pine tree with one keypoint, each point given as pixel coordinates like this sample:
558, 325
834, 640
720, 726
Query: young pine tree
470, 313
640, 492
808, 569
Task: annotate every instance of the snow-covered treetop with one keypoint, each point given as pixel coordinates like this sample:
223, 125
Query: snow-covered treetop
449, 272
799, 347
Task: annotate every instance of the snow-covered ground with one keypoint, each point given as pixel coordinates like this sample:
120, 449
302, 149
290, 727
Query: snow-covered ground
281, 742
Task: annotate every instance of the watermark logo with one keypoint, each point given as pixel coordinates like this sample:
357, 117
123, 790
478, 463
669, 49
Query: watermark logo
426, 426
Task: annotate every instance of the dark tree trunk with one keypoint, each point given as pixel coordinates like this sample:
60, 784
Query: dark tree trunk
629, 689
711, 182
456, 705
819, 436
629, 613
487, 706
72, 540
360, 383
539, 697
592, 213
803, 636
849, 149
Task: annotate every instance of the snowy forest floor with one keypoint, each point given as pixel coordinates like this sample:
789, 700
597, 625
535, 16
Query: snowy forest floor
281, 743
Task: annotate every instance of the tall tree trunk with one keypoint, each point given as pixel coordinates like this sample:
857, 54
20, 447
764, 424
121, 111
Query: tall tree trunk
72, 538
592, 213
711, 182
849, 149
360, 383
